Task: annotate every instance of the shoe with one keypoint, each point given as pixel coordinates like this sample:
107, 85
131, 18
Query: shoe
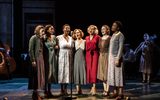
50, 95
120, 97
62, 94
93, 92
105, 93
36, 96
114, 95
79, 92
128, 98
45, 94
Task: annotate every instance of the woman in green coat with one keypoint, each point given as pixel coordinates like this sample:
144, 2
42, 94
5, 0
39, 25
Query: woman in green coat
50, 62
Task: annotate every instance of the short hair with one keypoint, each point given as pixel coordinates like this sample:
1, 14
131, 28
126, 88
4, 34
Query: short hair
65, 25
119, 24
37, 29
90, 26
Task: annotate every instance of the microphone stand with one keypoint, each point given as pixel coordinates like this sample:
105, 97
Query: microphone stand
70, 97
71, 76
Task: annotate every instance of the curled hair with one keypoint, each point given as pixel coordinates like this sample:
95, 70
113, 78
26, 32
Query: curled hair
92, 26
81, 32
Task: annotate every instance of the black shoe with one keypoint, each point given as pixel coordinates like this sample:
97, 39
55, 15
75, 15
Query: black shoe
36, 96
50, 95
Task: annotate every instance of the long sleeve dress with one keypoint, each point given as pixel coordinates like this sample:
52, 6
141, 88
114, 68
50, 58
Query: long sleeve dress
92, 54
65, 59
51, 70
115, 73
79, 63
146, 56
36, 54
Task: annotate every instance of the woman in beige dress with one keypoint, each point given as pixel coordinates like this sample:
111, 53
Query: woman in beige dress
103, 58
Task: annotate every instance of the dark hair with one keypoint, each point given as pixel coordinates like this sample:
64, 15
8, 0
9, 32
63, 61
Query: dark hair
65, 25
47, 28
119, 24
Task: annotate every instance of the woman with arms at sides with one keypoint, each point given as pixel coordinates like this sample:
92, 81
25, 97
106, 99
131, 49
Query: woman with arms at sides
37, 61
115, 63
103, 58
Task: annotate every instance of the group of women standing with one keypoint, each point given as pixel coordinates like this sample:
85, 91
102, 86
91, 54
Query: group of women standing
55, 58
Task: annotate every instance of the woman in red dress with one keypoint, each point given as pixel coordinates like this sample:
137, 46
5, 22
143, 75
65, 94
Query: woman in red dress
92, 54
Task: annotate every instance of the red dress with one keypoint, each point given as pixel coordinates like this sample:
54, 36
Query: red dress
92, 54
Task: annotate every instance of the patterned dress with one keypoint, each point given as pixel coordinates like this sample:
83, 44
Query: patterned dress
51, 71
79, 63
65, 59
103, 59
115, 73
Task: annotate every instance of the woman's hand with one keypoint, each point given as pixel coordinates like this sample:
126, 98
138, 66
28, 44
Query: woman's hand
34, 64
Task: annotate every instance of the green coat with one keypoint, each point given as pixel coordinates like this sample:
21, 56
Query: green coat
35, 47
36, 54
52, 68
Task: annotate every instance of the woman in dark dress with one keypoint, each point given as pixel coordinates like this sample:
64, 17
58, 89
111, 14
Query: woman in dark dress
146, 49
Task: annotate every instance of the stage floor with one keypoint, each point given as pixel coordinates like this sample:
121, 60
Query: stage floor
17, 89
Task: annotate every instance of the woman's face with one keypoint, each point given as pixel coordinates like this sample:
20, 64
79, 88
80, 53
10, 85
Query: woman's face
91, 30
66, 30
41, 33
146, 37
51, 30
105, 30
114, 27
78, 34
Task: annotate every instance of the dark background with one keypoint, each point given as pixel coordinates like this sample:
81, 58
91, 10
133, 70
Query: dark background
137, 17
